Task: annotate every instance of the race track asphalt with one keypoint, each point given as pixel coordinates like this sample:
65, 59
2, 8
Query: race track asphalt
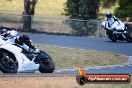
89, 43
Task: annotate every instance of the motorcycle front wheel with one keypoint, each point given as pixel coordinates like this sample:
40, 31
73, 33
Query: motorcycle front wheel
113, 38
46, 64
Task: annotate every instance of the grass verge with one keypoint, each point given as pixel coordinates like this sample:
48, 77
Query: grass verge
71, 58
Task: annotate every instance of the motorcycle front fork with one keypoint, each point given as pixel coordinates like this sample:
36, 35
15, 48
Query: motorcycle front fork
124, 34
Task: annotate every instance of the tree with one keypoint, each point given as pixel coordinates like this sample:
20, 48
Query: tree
85, 10
108, 3
72, 8
88, 9
124, 10
82, 9
28, 13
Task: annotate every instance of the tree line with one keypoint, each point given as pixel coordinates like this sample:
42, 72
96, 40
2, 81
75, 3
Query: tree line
80, 9
88, 9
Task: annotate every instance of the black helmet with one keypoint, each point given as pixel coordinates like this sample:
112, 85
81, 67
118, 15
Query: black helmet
24, 39
108, 14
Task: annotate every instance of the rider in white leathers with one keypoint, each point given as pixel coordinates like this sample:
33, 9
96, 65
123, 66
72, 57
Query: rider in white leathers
112, 23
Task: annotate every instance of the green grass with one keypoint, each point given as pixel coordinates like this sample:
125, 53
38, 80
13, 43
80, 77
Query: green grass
72, 58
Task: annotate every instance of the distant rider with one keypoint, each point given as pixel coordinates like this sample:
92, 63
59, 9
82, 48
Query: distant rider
111, 22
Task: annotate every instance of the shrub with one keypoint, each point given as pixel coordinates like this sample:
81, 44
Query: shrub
124, 10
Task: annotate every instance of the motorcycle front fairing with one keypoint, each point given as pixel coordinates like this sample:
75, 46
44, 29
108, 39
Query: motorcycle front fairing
118, 25
24, 64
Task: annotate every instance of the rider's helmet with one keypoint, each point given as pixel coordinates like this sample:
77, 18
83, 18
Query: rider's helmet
22, 39
108, 14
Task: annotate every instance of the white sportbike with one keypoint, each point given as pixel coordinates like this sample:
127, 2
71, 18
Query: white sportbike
16, 59
117, 31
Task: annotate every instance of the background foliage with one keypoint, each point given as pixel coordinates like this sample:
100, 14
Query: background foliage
124, 10
82, 9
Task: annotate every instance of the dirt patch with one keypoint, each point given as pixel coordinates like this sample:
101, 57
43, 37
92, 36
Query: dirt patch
37, 82
51, 82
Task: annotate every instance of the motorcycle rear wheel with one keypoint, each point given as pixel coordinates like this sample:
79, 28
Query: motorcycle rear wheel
129, 40
8, 62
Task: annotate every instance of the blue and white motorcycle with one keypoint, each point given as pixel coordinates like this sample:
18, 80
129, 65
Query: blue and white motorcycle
117, 31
